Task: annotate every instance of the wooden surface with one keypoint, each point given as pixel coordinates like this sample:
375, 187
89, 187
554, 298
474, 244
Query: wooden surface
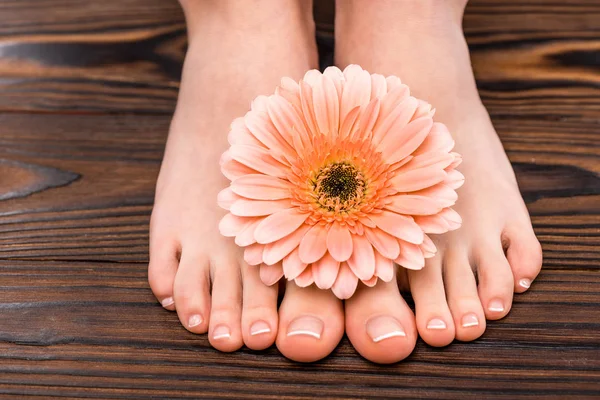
86, 93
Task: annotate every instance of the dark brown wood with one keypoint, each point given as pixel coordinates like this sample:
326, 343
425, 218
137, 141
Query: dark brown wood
86, 93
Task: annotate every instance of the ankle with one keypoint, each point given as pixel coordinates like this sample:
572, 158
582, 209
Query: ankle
415, 17
247, 18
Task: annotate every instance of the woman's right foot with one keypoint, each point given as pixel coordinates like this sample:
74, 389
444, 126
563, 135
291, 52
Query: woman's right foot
237, 51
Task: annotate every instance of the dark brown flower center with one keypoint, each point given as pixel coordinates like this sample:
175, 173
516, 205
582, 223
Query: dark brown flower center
339, 186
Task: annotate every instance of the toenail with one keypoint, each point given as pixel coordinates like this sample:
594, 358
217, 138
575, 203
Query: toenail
167, 302
525, 283
469, 320
259, 327
384, 327
306, 325
436, 323
194, 320
496, 305
221, 332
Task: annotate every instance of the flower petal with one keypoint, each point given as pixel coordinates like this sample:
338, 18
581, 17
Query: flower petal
414, 205
433, 158
441, 192
362, 261
350, 124
270, 274
384, 243
325, 271
290, 90
454, 179
262, 187
410, 180
368, 118
292, 265
246, 236
432, 223
378, 86
327, 106
266, 133
308, 111
345, 283
253, 254
371, 282
239, 134
279, 225
339, 242
313, 245
428, 247
452, 217
337, 77
285, 118
384, 267
226, 198
231, 225
439, 139
259, 208
276, 251
411, 256
357, 89
389, 127
401, 226
306, 278
406, 141
258, 159
234, 170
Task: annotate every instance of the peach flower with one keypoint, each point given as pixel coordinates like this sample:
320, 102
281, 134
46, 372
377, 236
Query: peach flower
337, 177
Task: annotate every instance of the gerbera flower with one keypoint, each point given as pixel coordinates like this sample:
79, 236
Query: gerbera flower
335, 178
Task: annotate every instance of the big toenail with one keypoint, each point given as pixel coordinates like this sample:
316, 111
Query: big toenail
221, 332
525, 283
436, 323
306, 325
194, 320
167, 302
496, 305
259, 327
469, 320
384, 327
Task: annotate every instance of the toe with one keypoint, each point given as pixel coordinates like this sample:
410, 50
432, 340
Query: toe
380, 324
524, 255
191, 292
259, 312
311, 323
162, 270
463, 300
496, 283
433, 317
226, 308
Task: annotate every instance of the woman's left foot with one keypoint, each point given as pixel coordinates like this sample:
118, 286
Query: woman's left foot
495, 253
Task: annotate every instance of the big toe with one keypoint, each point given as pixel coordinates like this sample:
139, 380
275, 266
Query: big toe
524, 255
311, 323
380, 324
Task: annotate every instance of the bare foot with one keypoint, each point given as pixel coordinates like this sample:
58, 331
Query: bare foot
237, 51
422, 43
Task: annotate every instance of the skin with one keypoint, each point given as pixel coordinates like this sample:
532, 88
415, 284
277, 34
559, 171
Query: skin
202, 276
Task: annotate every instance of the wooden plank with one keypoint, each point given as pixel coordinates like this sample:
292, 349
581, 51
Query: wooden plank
87, 329
95, 202
88, 56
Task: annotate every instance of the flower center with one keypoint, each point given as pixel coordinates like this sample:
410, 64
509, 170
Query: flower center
339, 186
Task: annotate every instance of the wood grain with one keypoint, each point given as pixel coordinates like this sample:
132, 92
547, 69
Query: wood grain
86, 93
90, 330
88, 56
